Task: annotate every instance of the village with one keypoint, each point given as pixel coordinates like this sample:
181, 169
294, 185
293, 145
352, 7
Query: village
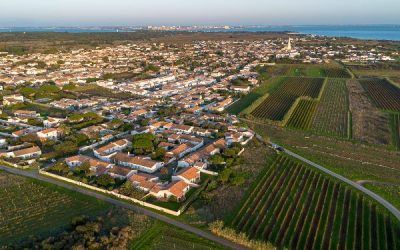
144, 120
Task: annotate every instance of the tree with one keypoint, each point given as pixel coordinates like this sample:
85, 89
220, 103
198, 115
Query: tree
238, 180
83, 169
143, 146
225, 175
216, 160
35, 122
79, 139
66, 148
144, 122
32, 138
105, 181
229, 152
165, 174
159, 154
60, 168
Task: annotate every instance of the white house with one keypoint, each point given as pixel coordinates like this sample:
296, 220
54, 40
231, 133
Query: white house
52, 122
106, 152
120, 172
49, 134
97, 166
138, 163
144, 182
12, 99
177, 189
189, 175
26, 153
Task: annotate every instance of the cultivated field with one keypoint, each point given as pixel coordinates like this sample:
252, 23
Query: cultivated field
163, 237
278, 104
332, 113
30, 208
302, 115
369, 124
336, 73
353, 160
296, 207
383, 93
264, 88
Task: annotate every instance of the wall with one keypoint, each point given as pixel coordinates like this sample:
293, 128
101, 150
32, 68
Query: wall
142, 203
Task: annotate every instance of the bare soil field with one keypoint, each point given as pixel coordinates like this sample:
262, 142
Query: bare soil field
369, 124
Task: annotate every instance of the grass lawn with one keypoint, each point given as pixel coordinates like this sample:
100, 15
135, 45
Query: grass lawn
264, 88
43, 109
33, 208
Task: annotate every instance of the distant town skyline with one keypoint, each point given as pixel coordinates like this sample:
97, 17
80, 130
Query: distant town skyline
29, 13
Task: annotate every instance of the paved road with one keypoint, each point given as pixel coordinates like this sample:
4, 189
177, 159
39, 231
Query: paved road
137, 209
376, 197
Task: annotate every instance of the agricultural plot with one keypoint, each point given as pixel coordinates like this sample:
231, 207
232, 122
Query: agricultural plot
302, 115
332, 113
384, 94
264, 88
163, 237
305, 71
278, 104
295, 207
336, 73
29, 208
369, 124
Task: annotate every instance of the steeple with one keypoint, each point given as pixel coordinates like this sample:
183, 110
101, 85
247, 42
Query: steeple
289, 45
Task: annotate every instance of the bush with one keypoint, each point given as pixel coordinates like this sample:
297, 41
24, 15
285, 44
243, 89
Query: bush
217, 227
105, 181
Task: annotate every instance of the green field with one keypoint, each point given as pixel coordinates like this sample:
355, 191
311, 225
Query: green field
331, 117
32, 208
296, 207
162, 236
265, 87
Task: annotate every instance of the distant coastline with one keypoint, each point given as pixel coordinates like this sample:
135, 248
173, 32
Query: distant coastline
368, 32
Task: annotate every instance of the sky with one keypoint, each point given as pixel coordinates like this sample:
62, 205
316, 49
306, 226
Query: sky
34, 13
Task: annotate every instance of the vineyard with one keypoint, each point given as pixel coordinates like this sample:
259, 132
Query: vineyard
383, 93
29, 208
164, 237
332, 113
295, 207
278, 104
302, 115
336, 73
